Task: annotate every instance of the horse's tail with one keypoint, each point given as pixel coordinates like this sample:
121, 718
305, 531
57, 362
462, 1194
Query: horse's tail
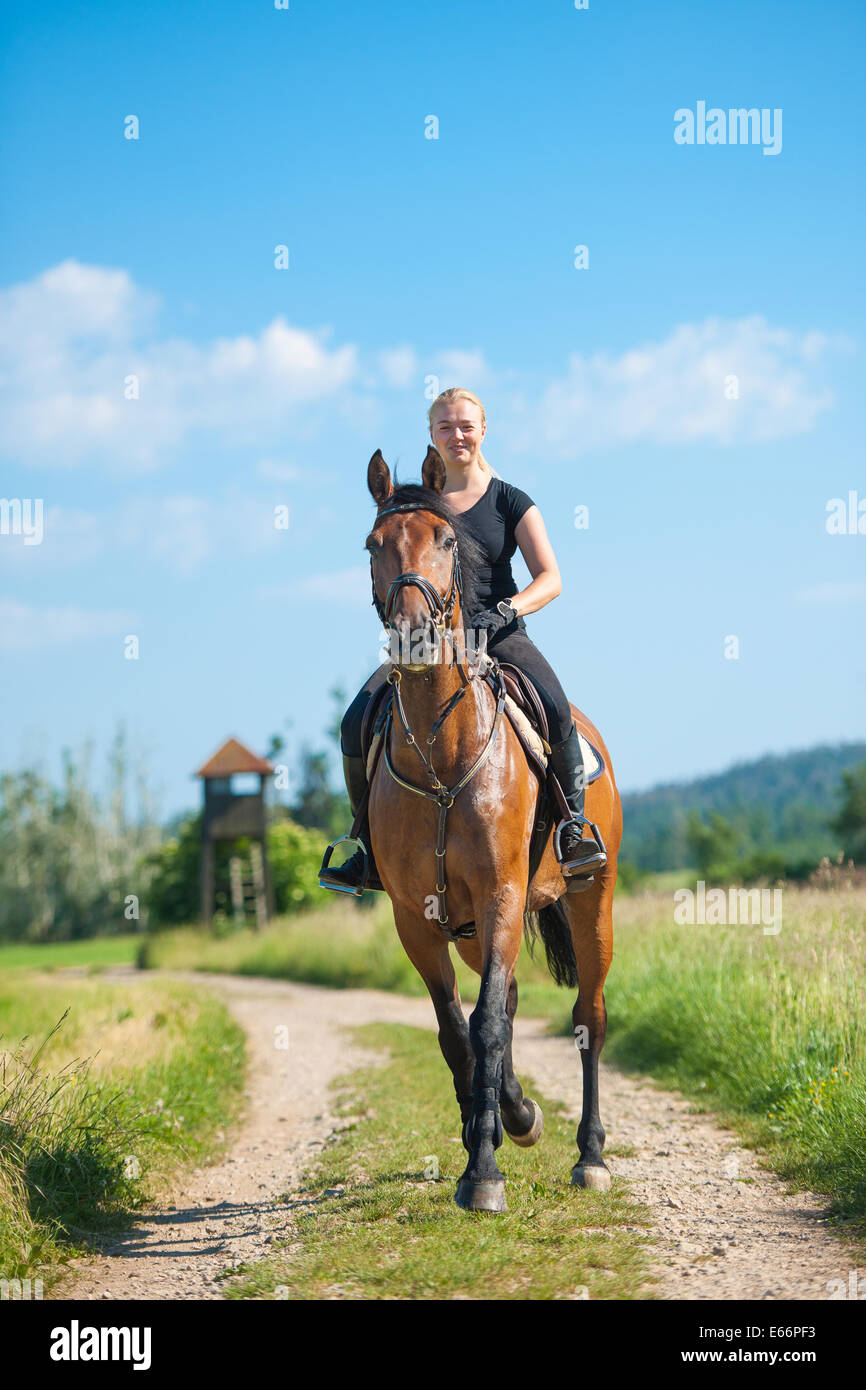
551, 924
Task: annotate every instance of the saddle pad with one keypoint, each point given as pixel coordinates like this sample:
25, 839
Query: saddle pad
593, 764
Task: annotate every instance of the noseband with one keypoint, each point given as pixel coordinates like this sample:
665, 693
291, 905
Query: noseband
441, 609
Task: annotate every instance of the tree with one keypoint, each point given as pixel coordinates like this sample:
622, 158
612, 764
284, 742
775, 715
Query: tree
70, 861
315, 803
173, 897
850, 823
713, 847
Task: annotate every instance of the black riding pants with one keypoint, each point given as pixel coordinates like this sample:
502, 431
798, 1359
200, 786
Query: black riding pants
515, 647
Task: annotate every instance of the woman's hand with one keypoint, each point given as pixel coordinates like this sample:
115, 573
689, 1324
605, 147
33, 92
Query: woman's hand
489, 620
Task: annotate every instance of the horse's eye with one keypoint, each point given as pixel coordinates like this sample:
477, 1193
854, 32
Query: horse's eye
448, 542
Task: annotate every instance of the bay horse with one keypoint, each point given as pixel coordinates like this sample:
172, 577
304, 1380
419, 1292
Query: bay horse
417, 587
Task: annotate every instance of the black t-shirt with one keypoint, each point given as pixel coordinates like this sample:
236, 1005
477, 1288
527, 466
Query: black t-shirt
492, 521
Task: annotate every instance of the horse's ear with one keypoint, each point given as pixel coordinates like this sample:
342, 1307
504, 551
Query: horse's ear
379, 478
433, 470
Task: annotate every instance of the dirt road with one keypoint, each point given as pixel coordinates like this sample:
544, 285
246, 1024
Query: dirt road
724, 1227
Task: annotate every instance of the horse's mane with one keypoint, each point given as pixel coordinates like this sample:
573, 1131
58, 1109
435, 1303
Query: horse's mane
470, 552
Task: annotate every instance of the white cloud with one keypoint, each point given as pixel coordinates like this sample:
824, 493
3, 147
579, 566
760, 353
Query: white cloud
278, 471
673, 391
71, 338
71, 304
23, 627
352, 587
839, 591
185, 531
455, 367
179, 531
398, 365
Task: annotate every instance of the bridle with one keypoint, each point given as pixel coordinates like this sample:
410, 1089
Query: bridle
435, 602
442, 612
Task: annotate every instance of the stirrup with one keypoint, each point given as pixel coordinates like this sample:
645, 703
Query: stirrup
345, 887
584, 867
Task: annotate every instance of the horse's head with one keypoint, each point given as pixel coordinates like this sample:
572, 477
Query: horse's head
416, 550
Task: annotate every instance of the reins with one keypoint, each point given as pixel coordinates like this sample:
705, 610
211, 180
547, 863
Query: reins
443, 796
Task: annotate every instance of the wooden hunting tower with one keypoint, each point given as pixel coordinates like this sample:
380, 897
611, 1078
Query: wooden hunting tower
228, 815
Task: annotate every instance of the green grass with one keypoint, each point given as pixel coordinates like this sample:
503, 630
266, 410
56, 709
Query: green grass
768, 1030
105, 1092
371, 1225
96, 952
337, 946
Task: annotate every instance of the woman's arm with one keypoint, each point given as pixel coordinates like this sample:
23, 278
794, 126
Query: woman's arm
537, 551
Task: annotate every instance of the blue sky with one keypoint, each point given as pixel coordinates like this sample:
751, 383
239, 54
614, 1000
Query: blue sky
412, 258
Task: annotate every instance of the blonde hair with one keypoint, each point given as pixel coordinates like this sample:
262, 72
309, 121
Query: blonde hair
455, 393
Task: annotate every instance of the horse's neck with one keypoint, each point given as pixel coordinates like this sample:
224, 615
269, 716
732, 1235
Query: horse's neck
461, 737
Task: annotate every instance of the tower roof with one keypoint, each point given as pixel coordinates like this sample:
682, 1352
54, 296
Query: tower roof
234, 756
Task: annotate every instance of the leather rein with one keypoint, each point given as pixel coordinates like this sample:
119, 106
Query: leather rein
442, 612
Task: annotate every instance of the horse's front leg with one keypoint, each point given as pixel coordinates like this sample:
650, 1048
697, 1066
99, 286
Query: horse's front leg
428, 951
482, 1186
521, 1115
522, 1118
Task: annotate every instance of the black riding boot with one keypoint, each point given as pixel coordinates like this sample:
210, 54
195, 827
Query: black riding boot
580, 856
349, 876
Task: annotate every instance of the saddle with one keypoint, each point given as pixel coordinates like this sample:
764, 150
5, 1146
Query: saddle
526, 714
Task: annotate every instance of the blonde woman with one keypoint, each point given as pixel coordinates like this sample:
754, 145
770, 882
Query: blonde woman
501, 519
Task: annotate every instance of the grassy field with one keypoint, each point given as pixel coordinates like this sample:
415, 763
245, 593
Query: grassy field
105, 1091
340, 947
768, 1029
378, 1218
96, 953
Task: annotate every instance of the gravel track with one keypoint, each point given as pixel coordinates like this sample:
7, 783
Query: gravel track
725, 1227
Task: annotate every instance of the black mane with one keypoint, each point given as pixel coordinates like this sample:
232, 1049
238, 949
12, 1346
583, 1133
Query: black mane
469, 551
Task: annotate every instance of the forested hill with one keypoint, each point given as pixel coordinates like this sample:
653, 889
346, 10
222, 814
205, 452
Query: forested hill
776, 803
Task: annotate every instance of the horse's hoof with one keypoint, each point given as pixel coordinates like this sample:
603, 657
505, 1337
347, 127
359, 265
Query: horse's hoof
597, 1178
481, 1196
533, 1134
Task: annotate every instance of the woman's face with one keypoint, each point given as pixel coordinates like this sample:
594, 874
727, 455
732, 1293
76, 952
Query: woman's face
457, 432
